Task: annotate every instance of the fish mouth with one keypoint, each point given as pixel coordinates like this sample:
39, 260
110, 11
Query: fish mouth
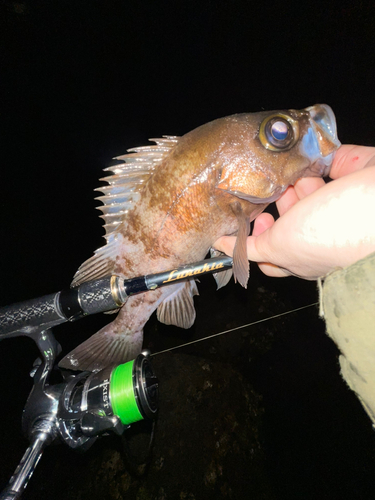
321, 143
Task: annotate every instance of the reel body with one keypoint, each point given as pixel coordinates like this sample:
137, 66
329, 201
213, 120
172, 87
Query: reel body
112, 399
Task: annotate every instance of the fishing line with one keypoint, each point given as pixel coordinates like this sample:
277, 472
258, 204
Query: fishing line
237, 328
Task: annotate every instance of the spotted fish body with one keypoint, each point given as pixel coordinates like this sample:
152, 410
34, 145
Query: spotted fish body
166, 205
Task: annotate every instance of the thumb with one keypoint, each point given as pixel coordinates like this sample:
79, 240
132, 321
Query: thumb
258, 247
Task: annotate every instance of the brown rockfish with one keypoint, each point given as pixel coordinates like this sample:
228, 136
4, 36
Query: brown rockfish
166, 205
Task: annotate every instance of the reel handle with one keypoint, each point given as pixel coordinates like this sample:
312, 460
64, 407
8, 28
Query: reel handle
26, 467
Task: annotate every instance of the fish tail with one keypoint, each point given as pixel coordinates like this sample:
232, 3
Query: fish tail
105, 348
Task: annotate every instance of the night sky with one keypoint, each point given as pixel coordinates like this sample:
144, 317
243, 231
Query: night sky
81, 82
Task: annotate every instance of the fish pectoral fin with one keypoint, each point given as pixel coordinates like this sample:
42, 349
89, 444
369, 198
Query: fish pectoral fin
240, 261
178, 308
103, 349
223, 277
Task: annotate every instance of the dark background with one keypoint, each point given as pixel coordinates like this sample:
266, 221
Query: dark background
83, 81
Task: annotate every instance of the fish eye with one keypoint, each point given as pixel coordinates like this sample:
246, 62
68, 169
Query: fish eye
278, 132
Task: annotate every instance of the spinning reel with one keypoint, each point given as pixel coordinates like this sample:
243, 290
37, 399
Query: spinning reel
89, 404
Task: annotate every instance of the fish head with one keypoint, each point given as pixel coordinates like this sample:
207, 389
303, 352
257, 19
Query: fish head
274, 149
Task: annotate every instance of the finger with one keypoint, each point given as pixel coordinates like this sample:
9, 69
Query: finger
257, 251
302, 188
308, 185
255, 247
273, 271
287, 200
225, 244
262, 222
350, 158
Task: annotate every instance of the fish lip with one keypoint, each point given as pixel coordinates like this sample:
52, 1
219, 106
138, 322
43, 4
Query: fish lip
323, 121
321, 143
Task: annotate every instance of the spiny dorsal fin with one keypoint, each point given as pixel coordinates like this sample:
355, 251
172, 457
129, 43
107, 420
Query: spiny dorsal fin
128, 178
119, 196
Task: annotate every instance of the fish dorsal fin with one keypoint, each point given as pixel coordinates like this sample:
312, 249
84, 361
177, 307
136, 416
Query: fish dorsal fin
128, 179
119, 196
178, 308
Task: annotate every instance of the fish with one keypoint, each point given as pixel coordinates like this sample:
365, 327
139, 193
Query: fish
164, 205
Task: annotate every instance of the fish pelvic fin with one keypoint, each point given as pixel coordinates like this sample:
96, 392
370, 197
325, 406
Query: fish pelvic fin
223, 277
241, 271
105, 348
178, 308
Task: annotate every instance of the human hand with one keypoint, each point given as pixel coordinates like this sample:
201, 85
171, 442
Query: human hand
321, 226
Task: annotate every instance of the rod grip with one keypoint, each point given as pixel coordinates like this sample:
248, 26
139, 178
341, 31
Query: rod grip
34, 312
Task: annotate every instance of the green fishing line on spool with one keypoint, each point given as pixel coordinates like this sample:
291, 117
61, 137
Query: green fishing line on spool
123, 400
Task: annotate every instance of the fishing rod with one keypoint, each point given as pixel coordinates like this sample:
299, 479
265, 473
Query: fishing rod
85, 405
101, 295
